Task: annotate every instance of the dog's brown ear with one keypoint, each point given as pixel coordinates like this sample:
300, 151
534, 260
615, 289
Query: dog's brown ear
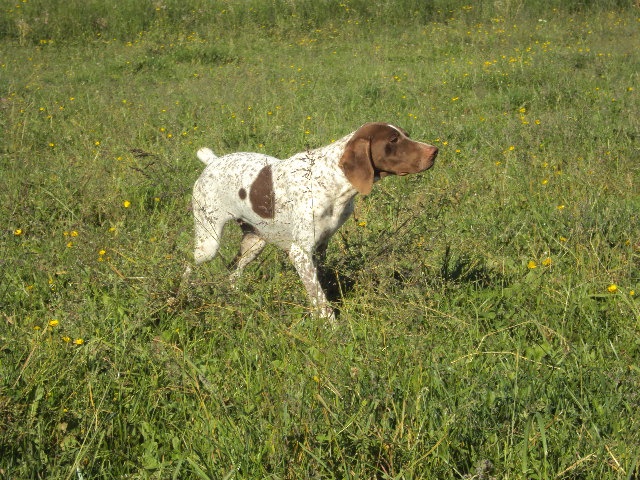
357, 165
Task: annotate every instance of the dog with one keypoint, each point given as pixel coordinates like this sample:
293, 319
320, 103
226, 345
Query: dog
297, 203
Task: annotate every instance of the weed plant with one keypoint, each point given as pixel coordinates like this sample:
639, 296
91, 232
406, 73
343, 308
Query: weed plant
489, 318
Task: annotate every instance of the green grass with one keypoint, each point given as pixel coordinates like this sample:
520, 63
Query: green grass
451, 351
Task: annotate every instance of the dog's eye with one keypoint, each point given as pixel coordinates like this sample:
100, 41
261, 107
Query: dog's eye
394, 139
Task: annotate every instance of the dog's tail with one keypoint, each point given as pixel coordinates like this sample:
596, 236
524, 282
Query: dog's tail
206, 156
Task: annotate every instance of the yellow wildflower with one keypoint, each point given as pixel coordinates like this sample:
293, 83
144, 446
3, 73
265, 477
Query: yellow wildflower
613, 288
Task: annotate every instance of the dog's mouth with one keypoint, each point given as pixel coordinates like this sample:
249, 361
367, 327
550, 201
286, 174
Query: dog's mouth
383, 173
426, 164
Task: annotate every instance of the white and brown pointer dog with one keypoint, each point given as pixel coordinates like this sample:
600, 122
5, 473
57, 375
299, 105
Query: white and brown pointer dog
300, 202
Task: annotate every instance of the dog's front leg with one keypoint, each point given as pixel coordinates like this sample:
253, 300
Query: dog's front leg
303, 261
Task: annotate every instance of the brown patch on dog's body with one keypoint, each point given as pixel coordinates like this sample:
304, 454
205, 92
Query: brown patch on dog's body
261, 194
242, 193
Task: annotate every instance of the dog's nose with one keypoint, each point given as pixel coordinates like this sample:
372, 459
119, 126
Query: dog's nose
430, 156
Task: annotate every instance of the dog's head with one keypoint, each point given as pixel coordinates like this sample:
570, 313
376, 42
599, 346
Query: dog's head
379, 149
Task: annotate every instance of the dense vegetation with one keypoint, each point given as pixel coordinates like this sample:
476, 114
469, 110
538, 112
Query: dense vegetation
489, 315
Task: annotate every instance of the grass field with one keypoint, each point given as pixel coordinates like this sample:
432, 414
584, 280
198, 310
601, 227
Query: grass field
489, 319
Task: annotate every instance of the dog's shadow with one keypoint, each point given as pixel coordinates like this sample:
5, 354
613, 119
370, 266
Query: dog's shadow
336, 285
